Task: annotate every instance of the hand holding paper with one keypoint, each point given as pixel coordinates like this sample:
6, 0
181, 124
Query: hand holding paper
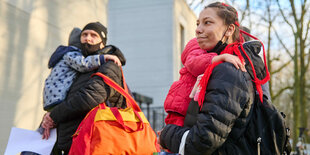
28, 140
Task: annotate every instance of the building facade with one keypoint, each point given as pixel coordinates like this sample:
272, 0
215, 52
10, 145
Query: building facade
150, 33
29, 32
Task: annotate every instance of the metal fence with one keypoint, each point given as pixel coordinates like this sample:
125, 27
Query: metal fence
156, 117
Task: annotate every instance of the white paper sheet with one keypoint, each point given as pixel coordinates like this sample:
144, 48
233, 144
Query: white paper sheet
28, 140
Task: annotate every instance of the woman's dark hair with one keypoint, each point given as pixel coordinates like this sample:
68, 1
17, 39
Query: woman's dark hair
229, 16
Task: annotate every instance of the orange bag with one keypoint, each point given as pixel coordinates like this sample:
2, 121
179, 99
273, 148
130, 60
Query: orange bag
109, 130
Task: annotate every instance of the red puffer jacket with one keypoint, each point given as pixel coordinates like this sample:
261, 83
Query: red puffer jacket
195, 61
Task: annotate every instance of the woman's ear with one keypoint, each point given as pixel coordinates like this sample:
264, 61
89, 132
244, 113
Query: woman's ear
230, 30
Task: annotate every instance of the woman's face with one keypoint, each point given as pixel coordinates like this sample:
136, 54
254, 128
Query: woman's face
210, 29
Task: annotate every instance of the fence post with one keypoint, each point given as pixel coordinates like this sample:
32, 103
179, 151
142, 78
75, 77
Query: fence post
154, 119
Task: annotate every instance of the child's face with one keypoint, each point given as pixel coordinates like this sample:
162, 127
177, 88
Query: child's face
91, 37
210, 29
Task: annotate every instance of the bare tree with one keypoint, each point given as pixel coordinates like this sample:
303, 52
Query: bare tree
296, 16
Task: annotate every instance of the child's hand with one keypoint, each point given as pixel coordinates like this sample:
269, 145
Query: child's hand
231, 59
113, 58
195, 88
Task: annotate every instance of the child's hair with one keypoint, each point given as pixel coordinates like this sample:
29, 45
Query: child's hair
229, 16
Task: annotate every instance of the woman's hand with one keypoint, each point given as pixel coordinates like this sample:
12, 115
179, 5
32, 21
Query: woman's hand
231, 59
158, 141
158, 138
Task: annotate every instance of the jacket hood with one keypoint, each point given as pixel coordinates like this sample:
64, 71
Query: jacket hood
253, 48
59, 53
113, 50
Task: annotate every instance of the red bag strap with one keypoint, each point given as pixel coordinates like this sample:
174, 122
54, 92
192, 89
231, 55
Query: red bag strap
119, 89
129, 100
120, 120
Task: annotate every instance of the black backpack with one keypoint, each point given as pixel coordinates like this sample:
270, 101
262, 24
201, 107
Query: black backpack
267, 131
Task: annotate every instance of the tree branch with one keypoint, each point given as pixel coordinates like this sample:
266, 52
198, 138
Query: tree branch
307, 66
246, 8
275, 58
274, 17
307, 30
280, 68
294, 13
286, 49
191, 4
284, 17
281, 91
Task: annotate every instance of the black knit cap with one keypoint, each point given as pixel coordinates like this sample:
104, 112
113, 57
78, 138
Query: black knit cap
99, 28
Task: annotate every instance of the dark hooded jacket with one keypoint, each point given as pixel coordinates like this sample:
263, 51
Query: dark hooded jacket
218, 127
86, 93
